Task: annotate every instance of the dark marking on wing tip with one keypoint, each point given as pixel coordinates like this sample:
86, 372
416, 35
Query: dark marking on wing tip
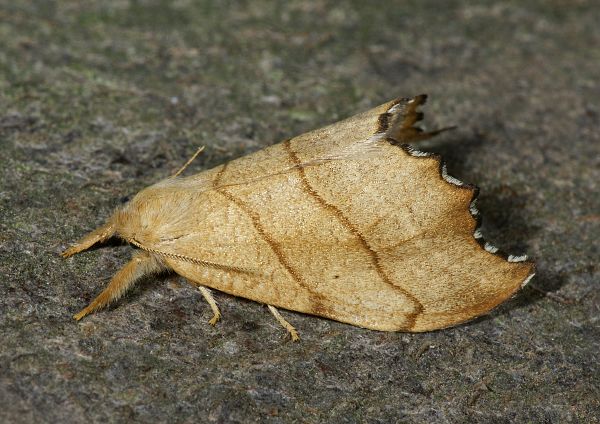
398, 122
420, 99
382, 123
403, 109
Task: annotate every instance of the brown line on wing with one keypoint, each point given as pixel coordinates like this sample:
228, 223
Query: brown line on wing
334, 210
316, 298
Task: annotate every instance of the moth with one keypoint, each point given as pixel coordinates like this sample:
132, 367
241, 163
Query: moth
346, 222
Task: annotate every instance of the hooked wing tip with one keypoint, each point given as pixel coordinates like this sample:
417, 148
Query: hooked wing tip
398, 122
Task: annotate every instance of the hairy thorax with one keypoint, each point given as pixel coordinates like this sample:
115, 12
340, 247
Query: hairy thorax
158, 213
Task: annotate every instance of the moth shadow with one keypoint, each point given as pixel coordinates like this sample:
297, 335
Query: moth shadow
112, 242
505, 220
539, 289
161, 315
454, 150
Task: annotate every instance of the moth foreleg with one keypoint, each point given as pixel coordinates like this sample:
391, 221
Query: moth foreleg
141, 264
289, 327
213, 304
99, 235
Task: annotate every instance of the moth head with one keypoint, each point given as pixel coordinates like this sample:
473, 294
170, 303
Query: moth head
151, 213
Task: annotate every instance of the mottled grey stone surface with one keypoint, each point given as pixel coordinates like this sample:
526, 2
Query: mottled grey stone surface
98, 101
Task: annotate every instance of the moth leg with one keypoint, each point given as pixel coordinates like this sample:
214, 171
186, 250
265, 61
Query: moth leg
141, 264
284, 323
100, 234
213, 304
190, 160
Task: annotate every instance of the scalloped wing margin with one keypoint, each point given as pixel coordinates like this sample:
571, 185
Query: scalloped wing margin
397, 126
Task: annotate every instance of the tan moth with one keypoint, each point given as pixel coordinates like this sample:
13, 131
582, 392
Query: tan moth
346, 222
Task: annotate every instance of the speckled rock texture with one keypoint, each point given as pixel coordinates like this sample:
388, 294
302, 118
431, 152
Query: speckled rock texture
100, 100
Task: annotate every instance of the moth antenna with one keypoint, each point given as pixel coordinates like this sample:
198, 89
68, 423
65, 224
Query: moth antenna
190, 160
99, 235
189, 259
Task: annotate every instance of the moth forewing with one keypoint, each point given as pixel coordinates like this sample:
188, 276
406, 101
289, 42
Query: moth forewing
346, 222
